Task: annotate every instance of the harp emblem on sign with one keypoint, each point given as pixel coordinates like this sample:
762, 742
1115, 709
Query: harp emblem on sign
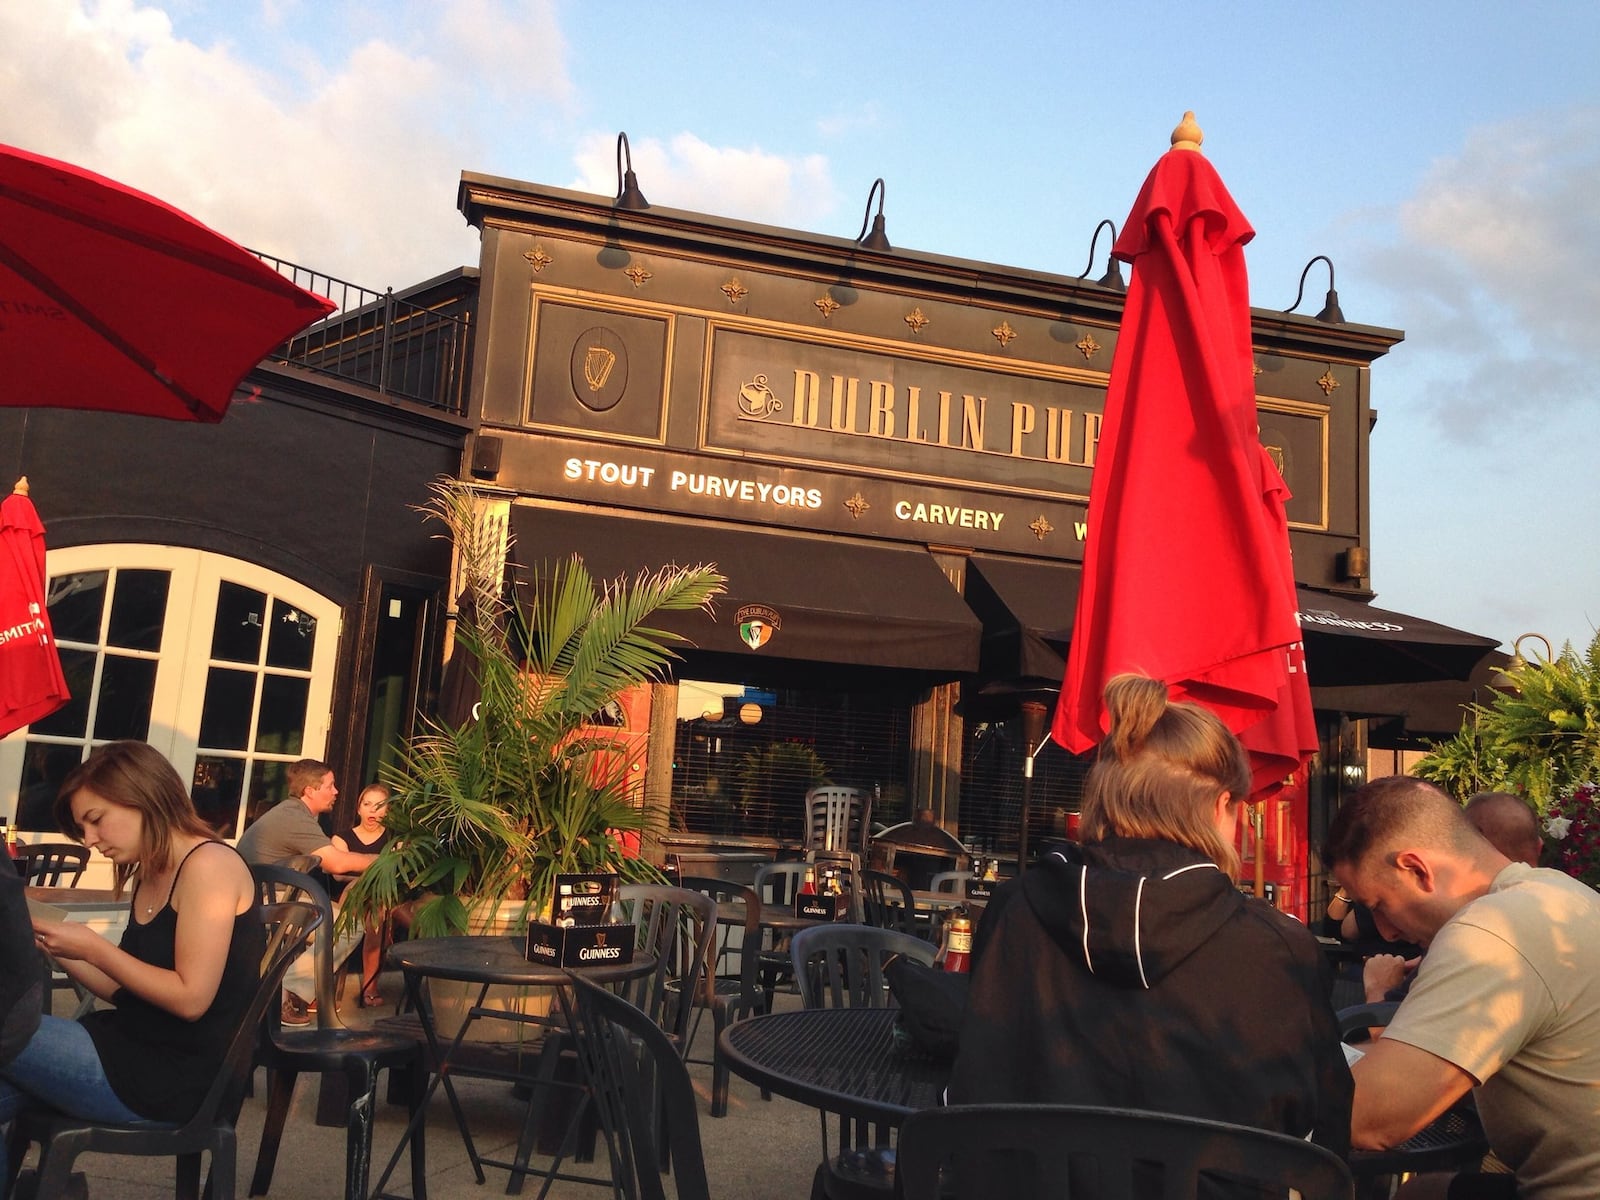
597, 365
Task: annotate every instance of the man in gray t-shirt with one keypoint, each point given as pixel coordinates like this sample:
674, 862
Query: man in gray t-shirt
290, 830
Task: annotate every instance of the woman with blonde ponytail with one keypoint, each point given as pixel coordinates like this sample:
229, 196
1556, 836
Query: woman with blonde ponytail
1130, 971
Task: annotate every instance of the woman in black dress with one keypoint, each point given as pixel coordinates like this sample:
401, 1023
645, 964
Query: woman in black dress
368, 836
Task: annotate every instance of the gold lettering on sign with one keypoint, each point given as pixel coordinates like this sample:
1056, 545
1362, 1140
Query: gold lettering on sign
597, 366
908, 413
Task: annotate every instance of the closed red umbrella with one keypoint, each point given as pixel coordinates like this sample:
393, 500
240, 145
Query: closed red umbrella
1187, 575
31, 685
111, 299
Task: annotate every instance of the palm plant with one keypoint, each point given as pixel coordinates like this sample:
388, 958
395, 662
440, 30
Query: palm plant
492, 809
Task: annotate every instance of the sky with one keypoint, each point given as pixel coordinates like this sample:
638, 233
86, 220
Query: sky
1435, 152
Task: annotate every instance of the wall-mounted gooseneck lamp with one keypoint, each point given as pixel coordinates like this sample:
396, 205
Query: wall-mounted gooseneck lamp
628, 193
877, 239
1113, 276
1331, 313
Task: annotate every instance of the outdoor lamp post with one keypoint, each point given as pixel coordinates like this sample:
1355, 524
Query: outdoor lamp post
1033, 738
1506, 678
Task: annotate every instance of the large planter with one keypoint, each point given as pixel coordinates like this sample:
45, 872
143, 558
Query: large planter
451, 999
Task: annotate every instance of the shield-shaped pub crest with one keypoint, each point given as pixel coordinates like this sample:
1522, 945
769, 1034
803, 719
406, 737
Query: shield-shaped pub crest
757, 624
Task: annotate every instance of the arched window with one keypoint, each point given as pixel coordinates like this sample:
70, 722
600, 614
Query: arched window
222, 665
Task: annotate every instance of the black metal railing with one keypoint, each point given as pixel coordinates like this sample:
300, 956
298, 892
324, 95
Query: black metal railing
405, 348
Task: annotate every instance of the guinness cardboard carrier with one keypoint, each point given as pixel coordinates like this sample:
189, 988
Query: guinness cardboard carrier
581, 935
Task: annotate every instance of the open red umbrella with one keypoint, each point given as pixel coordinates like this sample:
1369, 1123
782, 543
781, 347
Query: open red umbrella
31, 685
1187, 576
111, 299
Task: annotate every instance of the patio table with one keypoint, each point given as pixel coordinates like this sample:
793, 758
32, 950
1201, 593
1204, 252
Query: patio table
485, 961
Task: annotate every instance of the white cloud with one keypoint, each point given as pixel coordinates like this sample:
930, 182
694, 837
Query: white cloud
745, 184
1498, 272
350, 168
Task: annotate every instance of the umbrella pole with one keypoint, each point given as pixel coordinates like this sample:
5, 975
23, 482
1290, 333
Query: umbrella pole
1261, 859
1033, 714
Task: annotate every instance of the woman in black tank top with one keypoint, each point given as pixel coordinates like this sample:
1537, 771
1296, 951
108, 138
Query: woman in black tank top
183, 974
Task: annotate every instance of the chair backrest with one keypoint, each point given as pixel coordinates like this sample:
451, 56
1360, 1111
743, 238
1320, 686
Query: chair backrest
52, 864
736, 897
777, 883
887, 902
837, 818
276, 884
1357, 1019
288, 927
676, 925
841, 966
1022, 1151
627, 1061
949, 881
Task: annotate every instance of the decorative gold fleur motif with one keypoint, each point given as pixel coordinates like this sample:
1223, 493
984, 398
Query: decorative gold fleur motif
638, 274
857, 505
917, 319
1327, 383
1004, 334
1255, 368
826, 305
735, 291
1087, 345
1041, 527
538, 259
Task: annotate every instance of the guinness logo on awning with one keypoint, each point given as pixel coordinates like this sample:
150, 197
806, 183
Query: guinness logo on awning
599, 369
757, 624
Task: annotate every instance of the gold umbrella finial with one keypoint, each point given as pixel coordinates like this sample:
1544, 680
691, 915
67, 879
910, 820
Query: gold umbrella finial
21, 488
1187, 135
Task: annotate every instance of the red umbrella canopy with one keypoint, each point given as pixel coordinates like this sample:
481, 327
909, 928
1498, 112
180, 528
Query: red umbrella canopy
1187, 576
111, 299
31, 685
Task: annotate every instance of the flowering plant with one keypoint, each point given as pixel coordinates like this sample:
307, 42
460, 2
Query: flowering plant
1572, 826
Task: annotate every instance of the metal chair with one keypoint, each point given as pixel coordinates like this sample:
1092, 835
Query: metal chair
52, 864
729, 985
61, 1139
354, 1056
634, 1074
837, 818
1022, 1151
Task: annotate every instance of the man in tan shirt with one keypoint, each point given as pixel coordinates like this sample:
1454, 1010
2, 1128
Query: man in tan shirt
1506, 1001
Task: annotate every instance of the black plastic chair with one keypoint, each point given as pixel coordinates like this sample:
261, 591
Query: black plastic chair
1022, 1151
887, 902
62, 1139
674, 925
1356, 1019
841, 966
729, 986
633, 1072
52, 864
355, 1055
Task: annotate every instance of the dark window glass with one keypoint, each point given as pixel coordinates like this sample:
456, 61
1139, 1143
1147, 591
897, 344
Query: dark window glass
269, 783
43, 768
72, 718
76, 602
216, 788
138, 609
283, 714
230, 699
127, 686
292, 638
236, 637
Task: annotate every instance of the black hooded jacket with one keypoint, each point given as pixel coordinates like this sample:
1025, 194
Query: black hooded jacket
1132, 973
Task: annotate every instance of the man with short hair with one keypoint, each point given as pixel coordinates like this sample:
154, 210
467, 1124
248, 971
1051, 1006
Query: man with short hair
1506, 1001
290, 830
1510, 823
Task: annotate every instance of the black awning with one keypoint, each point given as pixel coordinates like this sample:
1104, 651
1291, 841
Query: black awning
818, 600
1351, 643
1408, 716
1027, 610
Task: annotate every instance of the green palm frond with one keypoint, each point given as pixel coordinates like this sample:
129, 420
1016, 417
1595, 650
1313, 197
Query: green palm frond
493, 810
